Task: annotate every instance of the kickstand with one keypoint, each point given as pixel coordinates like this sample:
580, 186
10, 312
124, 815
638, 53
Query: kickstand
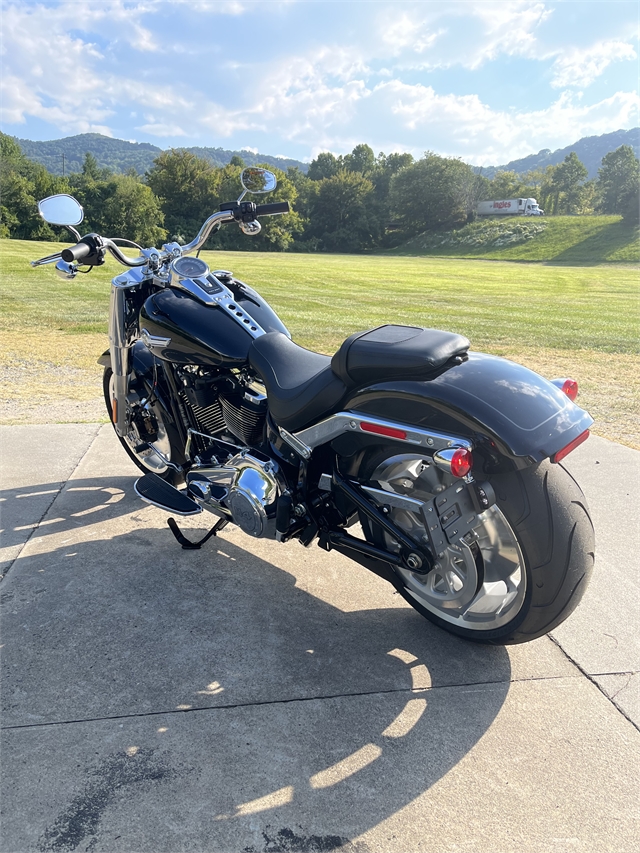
194, 546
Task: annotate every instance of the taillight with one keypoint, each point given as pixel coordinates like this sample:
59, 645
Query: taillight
455, 460
571, 446
567, 386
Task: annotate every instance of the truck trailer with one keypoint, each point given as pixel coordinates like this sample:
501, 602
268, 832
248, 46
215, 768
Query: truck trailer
510, 207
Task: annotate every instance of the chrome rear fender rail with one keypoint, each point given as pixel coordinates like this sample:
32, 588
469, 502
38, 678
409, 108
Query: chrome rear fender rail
355, 422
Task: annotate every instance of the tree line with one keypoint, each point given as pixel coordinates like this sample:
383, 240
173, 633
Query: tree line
358, 202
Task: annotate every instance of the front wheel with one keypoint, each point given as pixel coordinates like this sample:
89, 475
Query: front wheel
153, 428
520, 572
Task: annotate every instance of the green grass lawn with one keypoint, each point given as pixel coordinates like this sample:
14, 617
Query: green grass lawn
560, 320
324, 298
565, 239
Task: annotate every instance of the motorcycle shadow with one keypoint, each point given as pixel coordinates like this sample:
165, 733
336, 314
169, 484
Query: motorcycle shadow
286, 693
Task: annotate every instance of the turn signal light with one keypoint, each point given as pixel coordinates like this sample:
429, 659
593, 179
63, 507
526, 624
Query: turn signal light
455, 460
461, 462
567, 386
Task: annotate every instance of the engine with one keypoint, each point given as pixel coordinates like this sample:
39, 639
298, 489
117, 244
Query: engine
220, 404
244, 490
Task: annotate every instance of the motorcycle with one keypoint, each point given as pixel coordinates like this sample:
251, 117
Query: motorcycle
435, 467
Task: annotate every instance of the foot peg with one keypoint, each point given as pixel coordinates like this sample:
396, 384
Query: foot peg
154, 490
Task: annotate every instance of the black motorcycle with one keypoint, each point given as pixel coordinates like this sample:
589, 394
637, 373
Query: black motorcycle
433, 466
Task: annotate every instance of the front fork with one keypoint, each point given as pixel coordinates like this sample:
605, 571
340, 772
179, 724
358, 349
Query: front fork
123, 333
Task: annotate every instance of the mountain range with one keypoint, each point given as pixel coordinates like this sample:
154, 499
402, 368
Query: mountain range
590, 150
66, 155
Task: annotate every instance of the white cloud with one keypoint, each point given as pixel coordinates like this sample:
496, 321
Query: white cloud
163, 130
72, 72
581, 67
465, 34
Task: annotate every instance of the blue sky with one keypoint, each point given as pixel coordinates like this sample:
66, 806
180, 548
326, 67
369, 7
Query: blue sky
485, 80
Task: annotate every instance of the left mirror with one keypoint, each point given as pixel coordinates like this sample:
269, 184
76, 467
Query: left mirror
61, 210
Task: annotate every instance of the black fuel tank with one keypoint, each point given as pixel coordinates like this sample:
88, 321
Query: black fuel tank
201, 334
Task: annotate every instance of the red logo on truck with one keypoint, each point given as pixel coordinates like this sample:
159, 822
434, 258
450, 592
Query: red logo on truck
500, 205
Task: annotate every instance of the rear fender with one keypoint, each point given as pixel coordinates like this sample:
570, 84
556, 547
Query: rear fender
505, 409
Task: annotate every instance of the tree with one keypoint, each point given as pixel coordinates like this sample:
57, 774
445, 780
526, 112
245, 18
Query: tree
567, 184
131, 210
188, 188
507, 184
432, 193
22, 184
617, 185
326, 165
362, 159
343, 214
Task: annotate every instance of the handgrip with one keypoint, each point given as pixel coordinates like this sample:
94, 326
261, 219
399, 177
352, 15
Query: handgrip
77, 252
273, 208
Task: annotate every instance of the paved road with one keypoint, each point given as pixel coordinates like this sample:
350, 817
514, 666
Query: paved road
263, 698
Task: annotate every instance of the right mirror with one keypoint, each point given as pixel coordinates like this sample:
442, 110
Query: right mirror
256, 180
61, 209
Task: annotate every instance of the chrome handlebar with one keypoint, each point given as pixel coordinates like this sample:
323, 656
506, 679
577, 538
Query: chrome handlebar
217, 218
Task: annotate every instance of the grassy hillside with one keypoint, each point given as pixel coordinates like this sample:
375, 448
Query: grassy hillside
560, 320
556, 239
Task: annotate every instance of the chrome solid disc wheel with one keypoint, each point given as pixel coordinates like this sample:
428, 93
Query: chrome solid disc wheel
479, 584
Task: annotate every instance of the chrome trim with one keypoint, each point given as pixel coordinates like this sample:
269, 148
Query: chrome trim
150, 340
222, 298
219, 217
342, 422
299, 446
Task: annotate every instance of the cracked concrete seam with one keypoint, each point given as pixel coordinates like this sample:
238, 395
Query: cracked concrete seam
413, 691
592, 679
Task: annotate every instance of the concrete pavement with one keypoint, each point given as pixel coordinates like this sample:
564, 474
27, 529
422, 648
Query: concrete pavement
263, 698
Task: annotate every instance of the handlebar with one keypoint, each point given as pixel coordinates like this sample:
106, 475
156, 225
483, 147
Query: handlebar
273, 208
77, 252
84, 247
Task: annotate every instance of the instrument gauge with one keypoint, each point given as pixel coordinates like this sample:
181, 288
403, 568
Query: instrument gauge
190, 268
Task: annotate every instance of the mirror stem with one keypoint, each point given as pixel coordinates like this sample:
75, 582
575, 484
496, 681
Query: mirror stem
76, 234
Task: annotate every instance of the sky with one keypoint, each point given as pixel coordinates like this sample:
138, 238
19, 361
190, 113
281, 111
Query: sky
485, 80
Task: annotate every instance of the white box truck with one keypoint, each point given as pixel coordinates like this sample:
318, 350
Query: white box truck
510, 207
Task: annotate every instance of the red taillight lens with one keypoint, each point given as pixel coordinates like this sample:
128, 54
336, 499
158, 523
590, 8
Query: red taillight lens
571, 446
570, 388
461, 462
383, 430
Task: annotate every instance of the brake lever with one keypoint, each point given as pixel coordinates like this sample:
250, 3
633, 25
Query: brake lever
49, 259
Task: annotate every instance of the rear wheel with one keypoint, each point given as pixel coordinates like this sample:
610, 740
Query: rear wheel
151, 428
521, 570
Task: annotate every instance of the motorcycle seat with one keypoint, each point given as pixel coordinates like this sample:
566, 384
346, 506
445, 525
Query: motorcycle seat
396, 352
302, 386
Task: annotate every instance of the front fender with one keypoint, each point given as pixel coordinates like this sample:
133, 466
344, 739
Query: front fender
144, 369
524, 415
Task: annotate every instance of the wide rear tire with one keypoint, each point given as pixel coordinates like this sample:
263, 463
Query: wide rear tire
542, 517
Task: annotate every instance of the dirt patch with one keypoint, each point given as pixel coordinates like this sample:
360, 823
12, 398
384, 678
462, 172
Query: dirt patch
54, 378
